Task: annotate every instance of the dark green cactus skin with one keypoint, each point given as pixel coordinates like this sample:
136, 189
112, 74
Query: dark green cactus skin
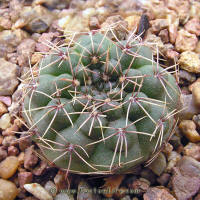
101, 106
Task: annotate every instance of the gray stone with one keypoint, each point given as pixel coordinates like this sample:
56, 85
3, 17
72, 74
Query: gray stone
8, 77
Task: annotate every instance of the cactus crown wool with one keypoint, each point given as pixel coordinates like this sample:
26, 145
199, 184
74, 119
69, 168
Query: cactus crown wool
100, 106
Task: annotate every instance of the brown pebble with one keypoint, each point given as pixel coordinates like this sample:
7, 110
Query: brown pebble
24, 178
193, 26
3, 109
13, 151
30, 158
164, 35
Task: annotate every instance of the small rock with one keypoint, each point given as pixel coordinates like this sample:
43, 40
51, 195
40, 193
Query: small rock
50, 187
8, 167
172, 55
159, 24
5, 23
25, 51
188, 128
173, 158
3, 153
158, 165
173, 32
167, 149
6, 100
196, 119
8, 78
192, 150
185, 41
3, 109
190, 61
186, 76
197, 49
12, 38
94, 23
13, 151
164, 35
186, 178
40, 169
193, 26
5, 121
8, 190
157, 194
197, 82
9, 140
30, 158
24, 142
38, 191
21, 158
24, 178
190, 109
118, 26
43, 45
85, 192
36, 57
140, 185
196, 94
133, 22
63, 196
60, 180
163, 179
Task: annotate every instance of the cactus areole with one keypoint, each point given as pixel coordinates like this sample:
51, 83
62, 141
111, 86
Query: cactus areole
100, 106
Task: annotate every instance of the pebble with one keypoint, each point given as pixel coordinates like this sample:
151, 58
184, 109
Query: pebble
196, 94
38, 191
192, 150
63, 196
8, 167
140, 185
164, 179
40, 169
24, 142
3, 109
185, 41
197, 82
118, 25
157, 194
186, 178
3, 153
5, 121
25, 51
189, 108
196, 119
8, 190
13, 151
133, 22
6, 100
8, 79
30, 158
189, 61
173, 158
173, 32
164, 35
159, 24
186, 76
188, 128
12, 38
9, 140
24, 178
193, 26
85, 192
50, 187
158, 165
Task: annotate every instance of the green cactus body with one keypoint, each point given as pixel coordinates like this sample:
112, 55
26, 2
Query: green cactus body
100, 106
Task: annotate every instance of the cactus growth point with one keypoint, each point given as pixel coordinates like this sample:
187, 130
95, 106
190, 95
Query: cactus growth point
100, 106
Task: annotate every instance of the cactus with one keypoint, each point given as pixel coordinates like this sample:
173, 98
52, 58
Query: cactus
100, 106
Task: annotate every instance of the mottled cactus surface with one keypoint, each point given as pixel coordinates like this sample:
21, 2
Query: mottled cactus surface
100, 106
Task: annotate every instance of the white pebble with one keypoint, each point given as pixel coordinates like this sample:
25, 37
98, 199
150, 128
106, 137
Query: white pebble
38, 191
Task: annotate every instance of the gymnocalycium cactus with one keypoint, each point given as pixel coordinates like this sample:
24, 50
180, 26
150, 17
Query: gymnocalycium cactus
100, 106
